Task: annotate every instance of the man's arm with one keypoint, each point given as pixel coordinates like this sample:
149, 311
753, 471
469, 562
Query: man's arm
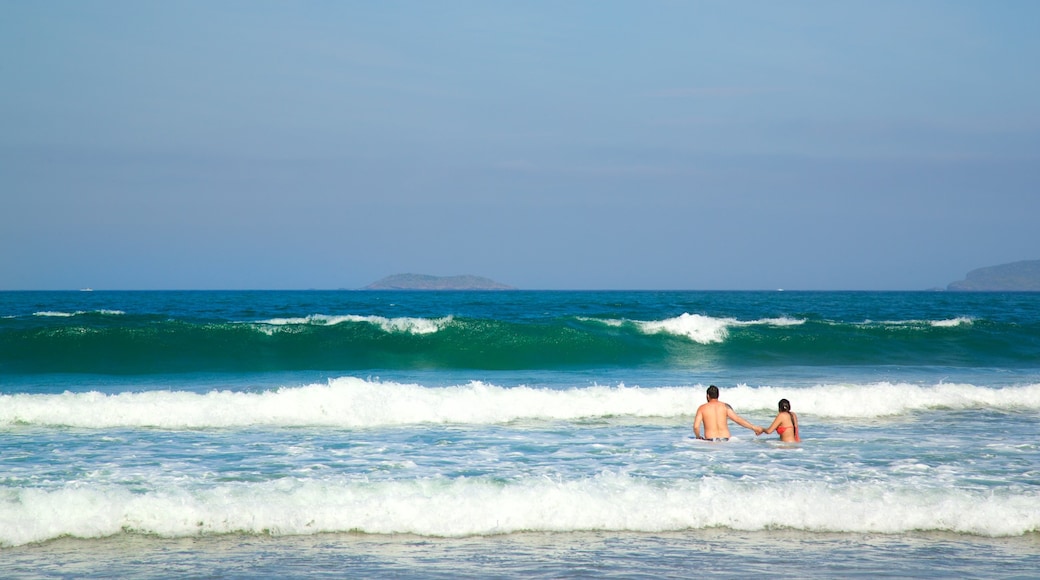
697, 422
742, 422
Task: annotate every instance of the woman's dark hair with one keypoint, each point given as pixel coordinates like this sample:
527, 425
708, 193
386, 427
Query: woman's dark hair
785, 406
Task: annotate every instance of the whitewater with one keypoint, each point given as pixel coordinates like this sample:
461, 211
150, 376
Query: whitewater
351, 402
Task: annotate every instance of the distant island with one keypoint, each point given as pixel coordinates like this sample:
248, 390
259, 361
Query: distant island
426, 282
1021, 276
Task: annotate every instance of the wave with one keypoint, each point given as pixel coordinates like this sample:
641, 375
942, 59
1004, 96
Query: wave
696, 327
952, 321
59, 314
945, 323
885, 399
142, 344
408, 325
350, 402
482, 506
706, 329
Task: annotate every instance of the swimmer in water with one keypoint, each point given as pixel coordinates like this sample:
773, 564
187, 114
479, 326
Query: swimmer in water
714, 415
785, 424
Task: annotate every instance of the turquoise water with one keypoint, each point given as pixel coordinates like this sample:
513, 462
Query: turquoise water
541, 433
172, 332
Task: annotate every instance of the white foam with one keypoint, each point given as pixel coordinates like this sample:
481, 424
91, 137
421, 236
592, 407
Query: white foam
356, 403
883, 399
779, 321
945, 323
696, 327
59, 314
707, 329
952, 322
890, 399
344, 402
479, 506
404, 324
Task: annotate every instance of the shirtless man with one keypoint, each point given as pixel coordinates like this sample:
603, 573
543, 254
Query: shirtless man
714, 415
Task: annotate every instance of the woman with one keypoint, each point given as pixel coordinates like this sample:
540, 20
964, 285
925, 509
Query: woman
786, 423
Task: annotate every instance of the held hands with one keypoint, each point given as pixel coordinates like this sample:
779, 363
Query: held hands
758, 430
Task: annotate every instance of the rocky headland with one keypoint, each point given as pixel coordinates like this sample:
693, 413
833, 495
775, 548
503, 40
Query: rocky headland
1021, 276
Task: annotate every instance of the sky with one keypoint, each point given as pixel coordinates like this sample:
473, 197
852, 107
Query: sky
695, 145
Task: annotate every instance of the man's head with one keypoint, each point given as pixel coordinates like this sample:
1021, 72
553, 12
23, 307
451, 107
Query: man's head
713, 393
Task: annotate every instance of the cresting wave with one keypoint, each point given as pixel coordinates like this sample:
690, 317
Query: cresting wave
58, 314
697, 327
144, 344
408, 325
481, 506
357, 403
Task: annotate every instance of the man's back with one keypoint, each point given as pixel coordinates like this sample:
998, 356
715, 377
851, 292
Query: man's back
714, 414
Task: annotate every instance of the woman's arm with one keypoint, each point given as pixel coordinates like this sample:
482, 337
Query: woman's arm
774, 425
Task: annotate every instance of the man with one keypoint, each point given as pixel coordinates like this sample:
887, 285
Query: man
714, 415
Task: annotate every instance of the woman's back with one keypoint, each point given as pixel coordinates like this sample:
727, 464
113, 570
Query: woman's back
786, 423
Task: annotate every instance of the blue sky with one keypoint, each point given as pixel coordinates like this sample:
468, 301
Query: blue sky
547, 145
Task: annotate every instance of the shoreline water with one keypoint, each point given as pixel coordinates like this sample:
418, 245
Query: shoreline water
717, 551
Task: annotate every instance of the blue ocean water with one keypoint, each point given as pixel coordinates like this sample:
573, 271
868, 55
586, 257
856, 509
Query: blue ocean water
447, 434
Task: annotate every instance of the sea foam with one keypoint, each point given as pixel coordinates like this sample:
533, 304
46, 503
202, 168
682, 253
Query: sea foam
706, 329
458, 507
351, 402
60, 314
409, 325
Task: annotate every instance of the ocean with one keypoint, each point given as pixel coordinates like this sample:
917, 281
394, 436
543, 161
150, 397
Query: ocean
303, 434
